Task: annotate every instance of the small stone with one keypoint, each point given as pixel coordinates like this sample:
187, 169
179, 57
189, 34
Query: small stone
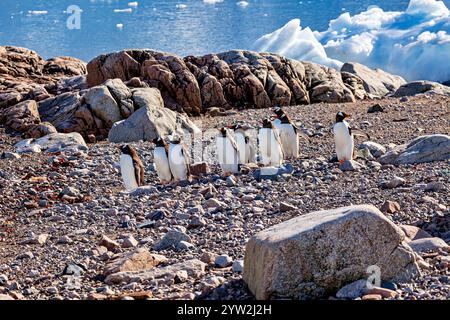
351, 165
184, 246
74, 269
385, 293
284, 207
208, 257
393, 183
4, 297
129, 242
214, 204
109, 243
375, 108
238, 266
197, 222
3, 280
156, 215
9, 155
64, 240
231, 181
353, 290
371, 297
200, 168
428, 245
181, 276
171, 240
390, 207
25, 255
40, 239
223, 261
69, 191
435, 186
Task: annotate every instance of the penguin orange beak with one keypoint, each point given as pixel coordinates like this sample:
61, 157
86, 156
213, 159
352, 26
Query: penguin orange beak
346, 115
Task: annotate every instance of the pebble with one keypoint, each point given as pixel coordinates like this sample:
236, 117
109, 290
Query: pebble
223, 261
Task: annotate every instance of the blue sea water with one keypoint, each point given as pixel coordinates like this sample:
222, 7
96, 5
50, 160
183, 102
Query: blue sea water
198, 28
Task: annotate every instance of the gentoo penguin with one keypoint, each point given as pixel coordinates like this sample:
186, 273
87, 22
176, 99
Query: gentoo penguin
344, 137
179, 160
246, 150
289, 137
270, 145
131, 168
161, 158
227, 151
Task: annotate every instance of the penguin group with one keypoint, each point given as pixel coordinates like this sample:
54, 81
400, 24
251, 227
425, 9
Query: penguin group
277, 141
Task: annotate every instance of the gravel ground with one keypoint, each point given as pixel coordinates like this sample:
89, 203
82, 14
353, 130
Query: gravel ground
30, 205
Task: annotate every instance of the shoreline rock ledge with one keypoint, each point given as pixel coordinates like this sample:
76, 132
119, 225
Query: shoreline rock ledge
315, 255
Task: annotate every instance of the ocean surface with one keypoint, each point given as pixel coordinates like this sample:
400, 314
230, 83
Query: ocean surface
181, 27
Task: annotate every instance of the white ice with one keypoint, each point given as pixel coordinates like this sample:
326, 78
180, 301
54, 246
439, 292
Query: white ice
414, 43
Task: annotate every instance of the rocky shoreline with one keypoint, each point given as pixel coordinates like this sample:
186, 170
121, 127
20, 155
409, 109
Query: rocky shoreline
69, 231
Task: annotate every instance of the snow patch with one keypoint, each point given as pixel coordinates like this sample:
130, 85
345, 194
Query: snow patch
414, 43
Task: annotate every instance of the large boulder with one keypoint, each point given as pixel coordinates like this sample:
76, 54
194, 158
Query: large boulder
151, 120
22, 116
423, 149
376, 82
65, 66
325, 84
53, 143
103, 105
418, 87
314, 255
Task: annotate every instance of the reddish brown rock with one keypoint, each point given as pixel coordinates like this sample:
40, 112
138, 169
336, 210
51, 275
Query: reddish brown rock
22, 116
390, 207
138, 260
40, 130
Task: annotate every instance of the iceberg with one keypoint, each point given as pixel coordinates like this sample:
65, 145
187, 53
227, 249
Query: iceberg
414, 43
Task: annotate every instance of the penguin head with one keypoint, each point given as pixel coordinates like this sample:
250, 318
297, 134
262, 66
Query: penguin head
159, 142
223, 132
340, 116
278, 111
127, 149
267, 123
175, 139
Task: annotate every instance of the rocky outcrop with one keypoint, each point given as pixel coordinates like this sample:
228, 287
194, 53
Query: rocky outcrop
316, 254
422, 149
151, 120
418, 87
234, 79
23, 71
376, 82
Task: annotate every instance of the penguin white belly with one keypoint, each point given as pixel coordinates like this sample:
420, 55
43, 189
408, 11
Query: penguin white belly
264, 136
344, 141
162, 164
127, 171
289, 140
250, 153
242, 148
227, 155
271, 152
177, 162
